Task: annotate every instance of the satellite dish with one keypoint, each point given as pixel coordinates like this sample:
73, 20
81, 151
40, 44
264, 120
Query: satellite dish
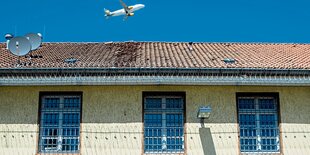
35, 40
19, 46
9, 36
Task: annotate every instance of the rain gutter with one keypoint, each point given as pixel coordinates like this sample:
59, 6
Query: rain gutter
154, 76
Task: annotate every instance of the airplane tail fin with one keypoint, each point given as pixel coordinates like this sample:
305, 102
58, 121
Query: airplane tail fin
107, 12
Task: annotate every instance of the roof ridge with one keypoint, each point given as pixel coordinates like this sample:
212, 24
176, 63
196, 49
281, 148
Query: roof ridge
177, 42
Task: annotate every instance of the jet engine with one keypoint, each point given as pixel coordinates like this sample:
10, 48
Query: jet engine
130, 14
107, 12
130, 7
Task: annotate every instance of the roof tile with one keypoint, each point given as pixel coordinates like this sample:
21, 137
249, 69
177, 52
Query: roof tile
162, 55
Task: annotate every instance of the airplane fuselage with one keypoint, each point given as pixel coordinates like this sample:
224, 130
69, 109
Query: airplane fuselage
123, 12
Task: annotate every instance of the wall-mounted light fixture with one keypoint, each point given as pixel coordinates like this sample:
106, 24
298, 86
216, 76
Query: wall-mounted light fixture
204, 113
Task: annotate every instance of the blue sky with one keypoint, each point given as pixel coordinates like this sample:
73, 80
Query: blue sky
160, 20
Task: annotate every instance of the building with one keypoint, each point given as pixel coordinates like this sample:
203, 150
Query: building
143, 98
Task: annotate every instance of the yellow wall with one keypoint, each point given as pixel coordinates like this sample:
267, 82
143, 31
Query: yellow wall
112, 118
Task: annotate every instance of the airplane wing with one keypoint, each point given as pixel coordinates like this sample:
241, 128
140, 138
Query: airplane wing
125, 7
125, 18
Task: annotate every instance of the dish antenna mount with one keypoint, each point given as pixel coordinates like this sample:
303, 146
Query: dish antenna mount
19, 46
35, 40
22, 45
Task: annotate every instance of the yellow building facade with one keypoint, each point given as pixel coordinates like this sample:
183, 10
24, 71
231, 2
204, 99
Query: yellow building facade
112, 118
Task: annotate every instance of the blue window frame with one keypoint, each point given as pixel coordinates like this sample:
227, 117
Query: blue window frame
60, 124
258, 123
163, 125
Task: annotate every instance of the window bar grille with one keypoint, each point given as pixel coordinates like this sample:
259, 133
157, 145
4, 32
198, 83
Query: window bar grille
258, 120
163, 125
60, 124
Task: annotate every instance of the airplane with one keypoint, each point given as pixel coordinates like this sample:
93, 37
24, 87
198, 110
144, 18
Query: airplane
127, 11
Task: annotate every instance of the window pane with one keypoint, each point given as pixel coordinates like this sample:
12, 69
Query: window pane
70, 144
70, 132
153, 131
153, 120
153, 103
50, 144
248, 145
153, 125
71, 102
268, 120
247, 120
248, 132
269, 132
51, 132
50, 119
51, 103
174, 120
174, 103
174, 144
246, 104
269, 144
267, 104
71, 119
153, 144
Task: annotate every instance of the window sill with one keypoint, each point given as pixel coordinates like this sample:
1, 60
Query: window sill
164, 153
258, 153
58, 154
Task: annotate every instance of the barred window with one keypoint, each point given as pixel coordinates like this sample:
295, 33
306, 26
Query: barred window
60, 124
163, 125
258, 122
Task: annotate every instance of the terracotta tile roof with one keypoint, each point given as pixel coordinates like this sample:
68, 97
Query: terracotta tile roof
163, 55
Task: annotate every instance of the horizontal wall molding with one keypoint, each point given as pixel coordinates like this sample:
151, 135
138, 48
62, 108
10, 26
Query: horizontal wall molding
154, 80
154, 76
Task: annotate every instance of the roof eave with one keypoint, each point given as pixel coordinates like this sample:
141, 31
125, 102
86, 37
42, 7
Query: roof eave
252, 71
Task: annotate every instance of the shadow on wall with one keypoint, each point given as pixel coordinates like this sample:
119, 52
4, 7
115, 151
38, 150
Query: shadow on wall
207, 141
